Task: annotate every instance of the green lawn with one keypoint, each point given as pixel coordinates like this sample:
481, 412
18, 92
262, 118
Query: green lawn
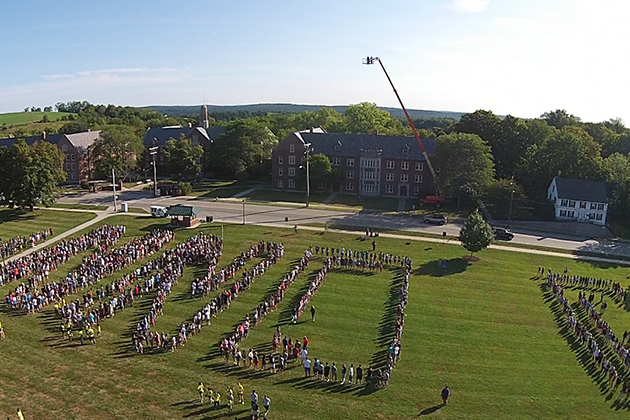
484, 328
17, 222
16, 118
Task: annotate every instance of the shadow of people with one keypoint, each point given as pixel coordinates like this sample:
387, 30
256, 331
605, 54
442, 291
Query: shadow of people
443, 267
430, 410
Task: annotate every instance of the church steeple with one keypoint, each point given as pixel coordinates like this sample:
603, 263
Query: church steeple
203, 118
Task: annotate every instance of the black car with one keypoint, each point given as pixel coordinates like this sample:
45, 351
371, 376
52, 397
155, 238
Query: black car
503, 234
435, 219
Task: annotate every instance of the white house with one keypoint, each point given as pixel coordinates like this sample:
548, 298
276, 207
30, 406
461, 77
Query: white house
579, 200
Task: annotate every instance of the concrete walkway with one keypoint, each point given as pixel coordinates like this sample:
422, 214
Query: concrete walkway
244, 193
330, 198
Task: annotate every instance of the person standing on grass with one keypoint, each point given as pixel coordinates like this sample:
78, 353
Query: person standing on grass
327, 372
2, 336
307, 367
359, 374
445, 394
217, 399
201, 390
240, 391
20, 415
344, 371
334, 372
266, 404
351, 374
230, 397
312, 313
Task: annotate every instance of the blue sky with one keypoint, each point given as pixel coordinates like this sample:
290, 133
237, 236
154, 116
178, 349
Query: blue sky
519, 57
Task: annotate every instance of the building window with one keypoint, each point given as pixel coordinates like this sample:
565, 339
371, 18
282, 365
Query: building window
438, 169
582, 204
338, 146
71, 175
280, 160
349, 162
291, 183
563, 213
292, 148
570, 213
416, 191
419, 166
600, 207
391, 164
349, 186
404, 165
72, 166
369, 175
418, 179
64, 148
593, 206
389, 189
291, 160
404, 178
350, 174
280, 183
72, 156
564, 203
336, 161
280, 172
599, 216
389, 176
322, 185
291, 171
571, 203
405, 151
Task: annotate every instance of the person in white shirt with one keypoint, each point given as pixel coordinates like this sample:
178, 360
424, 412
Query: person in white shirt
266, 403
307, 367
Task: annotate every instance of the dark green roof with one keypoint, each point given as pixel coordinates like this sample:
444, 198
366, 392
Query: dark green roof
181, 210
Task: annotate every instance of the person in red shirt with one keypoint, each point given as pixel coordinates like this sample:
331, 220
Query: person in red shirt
305, 342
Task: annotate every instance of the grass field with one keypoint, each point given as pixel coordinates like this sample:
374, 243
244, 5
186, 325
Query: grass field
485, 328
17, 222
18, 118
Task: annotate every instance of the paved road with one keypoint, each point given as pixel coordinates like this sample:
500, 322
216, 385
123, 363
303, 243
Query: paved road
232, 212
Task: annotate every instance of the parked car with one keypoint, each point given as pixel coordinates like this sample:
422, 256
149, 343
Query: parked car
435, 219
436, 200
503, 234
158, 211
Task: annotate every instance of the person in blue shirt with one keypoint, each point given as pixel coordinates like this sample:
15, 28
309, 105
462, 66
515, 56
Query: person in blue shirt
445, 394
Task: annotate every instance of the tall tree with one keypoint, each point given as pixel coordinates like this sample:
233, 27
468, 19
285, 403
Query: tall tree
182, 158
560, 118
243, 149
476, 234
465, 164
617, 169
117, 148
366, 118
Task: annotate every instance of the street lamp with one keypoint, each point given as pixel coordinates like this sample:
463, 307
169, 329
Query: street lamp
511, 200
2, 252
153, 151
243, 212
307, 152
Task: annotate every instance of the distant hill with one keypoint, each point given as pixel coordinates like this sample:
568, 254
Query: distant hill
180, 110
17, 118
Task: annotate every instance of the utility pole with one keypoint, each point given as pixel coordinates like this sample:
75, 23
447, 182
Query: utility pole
114, 187
511, 201
243, 212
307, 150
153, 151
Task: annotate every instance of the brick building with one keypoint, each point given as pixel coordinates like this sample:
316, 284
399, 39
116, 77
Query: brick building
372, 165
79, 162
202, 135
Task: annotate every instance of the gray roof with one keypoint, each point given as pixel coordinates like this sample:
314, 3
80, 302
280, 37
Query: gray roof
10, 141
351, 145
164, 134
182, 210
581, 190
83, 140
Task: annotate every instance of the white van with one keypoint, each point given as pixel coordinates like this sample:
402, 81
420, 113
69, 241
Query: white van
158, 211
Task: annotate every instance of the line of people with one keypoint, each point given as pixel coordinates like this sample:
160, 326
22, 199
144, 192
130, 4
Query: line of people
94, 267
222, 301
347, 258
607, 287
581, 332
229, 345
38, 265
393, 352
18, 244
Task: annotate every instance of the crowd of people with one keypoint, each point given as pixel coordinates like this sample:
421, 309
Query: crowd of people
20, 243
607, 287
274, 252
94, 267
347, 258
229, 345
38, 265
199, 249
215, 398
585, 337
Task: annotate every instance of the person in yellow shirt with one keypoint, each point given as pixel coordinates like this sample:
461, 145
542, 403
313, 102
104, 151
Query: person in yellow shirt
91, 336
201, 390
20, 415
211, 395
240, 391
230, 400
217, 399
